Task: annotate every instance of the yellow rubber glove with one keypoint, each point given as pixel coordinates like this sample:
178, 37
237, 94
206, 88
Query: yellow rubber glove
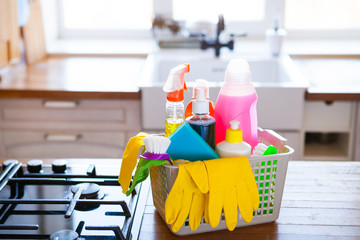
231, 185
129, 160
187, 196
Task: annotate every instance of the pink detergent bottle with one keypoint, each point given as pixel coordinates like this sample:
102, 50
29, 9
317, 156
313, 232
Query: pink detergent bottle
237, 101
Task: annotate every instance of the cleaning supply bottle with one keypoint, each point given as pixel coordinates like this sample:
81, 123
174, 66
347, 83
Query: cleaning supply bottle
201, 121
200, 83
237, 101
175, 86
274, 38
233, 146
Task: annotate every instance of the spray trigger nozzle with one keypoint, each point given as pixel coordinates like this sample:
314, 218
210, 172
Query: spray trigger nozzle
176, 78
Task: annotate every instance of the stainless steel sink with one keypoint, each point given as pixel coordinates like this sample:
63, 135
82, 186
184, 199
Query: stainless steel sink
278, 82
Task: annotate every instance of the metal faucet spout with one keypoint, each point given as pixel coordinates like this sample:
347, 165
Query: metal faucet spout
216, 44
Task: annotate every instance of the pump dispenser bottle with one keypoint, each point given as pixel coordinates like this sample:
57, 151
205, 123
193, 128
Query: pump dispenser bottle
200, 83
175, 86
201, 121
237, 101
233, 146
274, 38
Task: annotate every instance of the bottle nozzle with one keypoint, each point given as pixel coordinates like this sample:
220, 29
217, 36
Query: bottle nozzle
201, 83
175, 83
234, 134
200, 95
234, 124
176, 78
200, 104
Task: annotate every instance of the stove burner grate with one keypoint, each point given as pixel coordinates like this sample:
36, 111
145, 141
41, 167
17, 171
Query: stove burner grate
86, 192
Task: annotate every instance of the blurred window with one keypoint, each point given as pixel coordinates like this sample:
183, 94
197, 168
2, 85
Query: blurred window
322, 14
133, 18
105, 15
233, 10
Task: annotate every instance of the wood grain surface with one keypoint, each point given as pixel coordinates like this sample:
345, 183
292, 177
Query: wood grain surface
33, 34
9, 33
74, 78
321, 201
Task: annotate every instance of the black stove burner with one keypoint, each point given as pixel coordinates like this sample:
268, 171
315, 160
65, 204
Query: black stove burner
87, 191
39, 203
64, 235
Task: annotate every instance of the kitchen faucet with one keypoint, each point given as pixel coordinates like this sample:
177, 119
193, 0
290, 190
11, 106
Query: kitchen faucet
216, 44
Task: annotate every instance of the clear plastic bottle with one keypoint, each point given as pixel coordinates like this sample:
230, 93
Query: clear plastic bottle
175, 86
174, 116
201, 121
237, 101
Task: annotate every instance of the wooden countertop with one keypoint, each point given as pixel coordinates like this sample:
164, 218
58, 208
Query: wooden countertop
321, 201
331, 77
74, 78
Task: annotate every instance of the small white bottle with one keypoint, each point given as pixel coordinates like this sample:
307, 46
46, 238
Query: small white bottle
274, 38
233, 146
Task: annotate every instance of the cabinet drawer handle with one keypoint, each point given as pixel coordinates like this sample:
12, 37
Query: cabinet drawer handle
64, 137
60, 104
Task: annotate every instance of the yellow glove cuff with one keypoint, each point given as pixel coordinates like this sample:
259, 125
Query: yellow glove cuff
129, 160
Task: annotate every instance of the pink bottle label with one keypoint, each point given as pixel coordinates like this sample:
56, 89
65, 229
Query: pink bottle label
240, 108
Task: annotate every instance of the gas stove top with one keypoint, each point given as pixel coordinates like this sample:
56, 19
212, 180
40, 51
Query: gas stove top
67, 202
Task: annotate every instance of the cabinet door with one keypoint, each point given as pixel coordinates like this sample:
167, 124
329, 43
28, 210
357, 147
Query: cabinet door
38, 128
83, 114
65, 144
329, 130
334, 117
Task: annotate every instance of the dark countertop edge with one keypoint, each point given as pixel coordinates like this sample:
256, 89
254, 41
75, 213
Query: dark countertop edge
58, 94
99, 55
325, 55
313, 96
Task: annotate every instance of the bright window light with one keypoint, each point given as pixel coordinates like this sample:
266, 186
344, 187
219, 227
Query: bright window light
233, 10
107, 14
322, 14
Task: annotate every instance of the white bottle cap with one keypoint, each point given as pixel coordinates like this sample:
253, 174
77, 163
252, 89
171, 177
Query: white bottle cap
201, 83
234, 124
238, 71
200, 104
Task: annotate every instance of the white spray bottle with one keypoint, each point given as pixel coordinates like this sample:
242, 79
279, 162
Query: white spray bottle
175, 86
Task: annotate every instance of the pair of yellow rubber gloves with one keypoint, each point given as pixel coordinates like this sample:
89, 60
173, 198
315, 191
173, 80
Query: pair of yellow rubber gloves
205, 188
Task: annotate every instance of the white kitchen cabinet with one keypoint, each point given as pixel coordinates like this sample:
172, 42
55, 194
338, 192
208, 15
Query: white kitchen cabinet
294, 140
39, 128
325, 117
329, 130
